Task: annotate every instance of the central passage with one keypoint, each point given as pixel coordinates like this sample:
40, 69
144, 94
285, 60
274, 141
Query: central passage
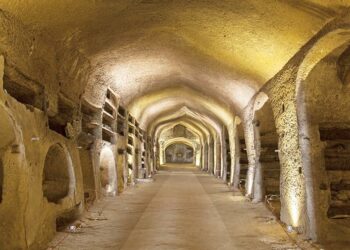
182, 209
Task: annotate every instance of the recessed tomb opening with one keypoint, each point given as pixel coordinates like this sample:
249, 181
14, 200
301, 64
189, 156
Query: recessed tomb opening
25, 91
57, 175
243, 159
337, 158
108, 174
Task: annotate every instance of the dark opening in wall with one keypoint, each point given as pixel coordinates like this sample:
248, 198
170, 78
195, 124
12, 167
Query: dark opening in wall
108, 107
129, 150
26, 92
121, 111
243, 161
107, 134
120, 127
1, 180
228, 156
337, 158
90, 118
66, 109
130, 140
56, 175
57, 126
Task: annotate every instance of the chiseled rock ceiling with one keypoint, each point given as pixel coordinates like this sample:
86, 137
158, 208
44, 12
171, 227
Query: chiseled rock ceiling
162, 54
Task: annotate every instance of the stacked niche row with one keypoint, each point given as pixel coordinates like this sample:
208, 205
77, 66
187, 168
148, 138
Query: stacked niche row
23, 89
269, 160
109, 117
243, 162
89, 124
130, 147
228, 157
121, 121
64, 116
337, 164
271, 165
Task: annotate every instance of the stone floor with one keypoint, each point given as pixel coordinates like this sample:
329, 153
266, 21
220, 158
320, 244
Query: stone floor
182, 209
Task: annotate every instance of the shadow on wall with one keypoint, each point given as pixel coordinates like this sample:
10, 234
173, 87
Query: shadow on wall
179, 153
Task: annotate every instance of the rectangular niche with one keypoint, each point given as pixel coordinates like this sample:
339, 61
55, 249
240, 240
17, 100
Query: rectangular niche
66, 109
130, 141
90, 118
121, 112
337, 164
243, 161
107, 134
120, 127
24, 90
129, 150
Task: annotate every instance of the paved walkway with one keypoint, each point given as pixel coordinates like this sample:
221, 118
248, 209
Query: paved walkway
182, 209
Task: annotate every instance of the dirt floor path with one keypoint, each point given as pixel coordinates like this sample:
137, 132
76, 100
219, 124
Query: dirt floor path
182, 209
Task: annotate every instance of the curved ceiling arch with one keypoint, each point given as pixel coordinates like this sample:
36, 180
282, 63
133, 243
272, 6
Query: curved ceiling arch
237, 45
208, 122
151, 106
180, 140
185, 121
198, 133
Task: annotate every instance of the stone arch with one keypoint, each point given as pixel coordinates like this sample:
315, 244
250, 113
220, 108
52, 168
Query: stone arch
108, 173
324, 58
267, 176
58, 174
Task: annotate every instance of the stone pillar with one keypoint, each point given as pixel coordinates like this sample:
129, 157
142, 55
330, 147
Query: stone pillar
259, 189
211, 157
223, 172
293, 194
217, 153
205, 155
250, 146
235, 155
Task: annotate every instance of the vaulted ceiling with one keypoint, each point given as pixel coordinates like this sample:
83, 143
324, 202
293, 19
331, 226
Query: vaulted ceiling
162, 55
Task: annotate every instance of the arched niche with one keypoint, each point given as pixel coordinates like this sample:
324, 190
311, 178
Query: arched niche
58, 174
179, 153
108, 173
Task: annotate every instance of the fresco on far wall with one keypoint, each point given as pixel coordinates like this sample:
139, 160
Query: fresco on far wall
179, 153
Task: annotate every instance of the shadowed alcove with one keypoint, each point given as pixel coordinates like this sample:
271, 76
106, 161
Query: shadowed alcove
58, 177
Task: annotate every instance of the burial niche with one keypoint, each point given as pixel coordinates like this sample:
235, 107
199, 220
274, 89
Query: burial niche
179, 153
108, 174
58, 174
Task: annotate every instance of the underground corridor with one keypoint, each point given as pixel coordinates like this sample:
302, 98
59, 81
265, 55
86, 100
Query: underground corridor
174, 124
